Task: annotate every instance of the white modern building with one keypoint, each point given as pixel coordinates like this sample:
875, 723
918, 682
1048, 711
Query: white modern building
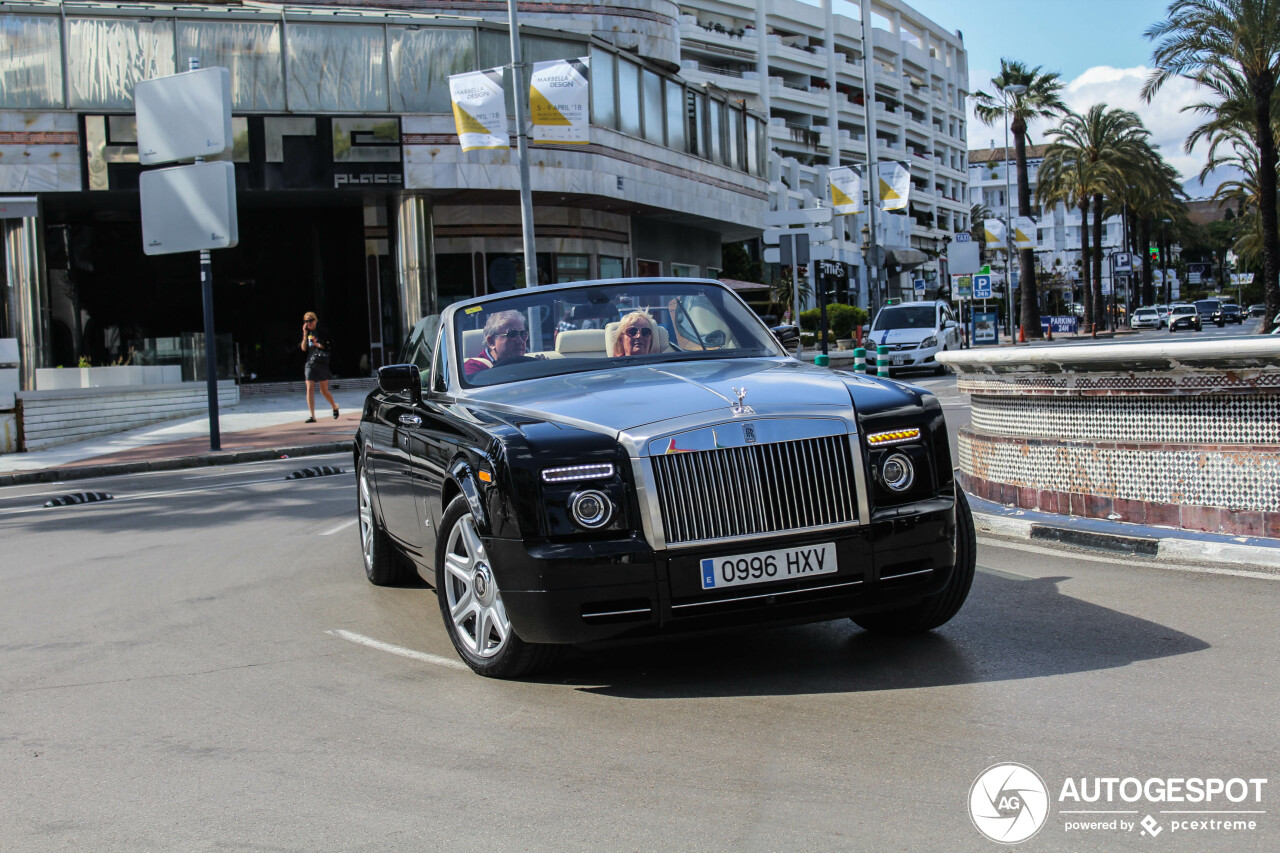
1058, 228
802, 64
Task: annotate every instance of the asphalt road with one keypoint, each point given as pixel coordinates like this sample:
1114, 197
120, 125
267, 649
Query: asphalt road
189, 667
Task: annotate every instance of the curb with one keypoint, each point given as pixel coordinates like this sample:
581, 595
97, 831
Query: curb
110, 469
1183, 547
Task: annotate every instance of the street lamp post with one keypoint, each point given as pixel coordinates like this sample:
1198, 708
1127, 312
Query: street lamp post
1014, 89
1164, 261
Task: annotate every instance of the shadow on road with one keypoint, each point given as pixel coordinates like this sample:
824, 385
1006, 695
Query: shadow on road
1008, 629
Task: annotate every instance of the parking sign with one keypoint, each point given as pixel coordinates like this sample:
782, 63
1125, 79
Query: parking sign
982, 287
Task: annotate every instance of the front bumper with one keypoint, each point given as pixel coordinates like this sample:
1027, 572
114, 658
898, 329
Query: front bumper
908, 358
590, 592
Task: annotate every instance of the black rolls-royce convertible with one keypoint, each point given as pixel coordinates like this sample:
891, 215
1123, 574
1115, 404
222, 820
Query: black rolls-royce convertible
608, 460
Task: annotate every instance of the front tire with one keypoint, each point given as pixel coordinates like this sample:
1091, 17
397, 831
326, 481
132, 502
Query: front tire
936, 610
471, 603
382, 565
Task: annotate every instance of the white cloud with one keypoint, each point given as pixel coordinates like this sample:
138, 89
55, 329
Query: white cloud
1117, 88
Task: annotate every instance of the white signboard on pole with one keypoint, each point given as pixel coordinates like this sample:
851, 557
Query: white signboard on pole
189, 208
183, 116
895, 185
995, 233
479, 109
558, 101
846, 190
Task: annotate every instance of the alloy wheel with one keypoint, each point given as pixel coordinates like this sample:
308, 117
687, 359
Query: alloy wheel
366, 520
474, 600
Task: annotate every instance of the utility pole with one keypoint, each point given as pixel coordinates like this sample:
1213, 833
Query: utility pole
522, 150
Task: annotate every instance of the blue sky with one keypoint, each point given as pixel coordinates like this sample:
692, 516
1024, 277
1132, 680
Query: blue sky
1098, 48
1067, 36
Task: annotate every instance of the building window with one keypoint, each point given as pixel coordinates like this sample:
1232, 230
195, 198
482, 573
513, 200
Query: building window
648, 269
422, 60
735, 145
654, 109
603, 111
629, 97
715, 128
251, 51
139, 50
572, 268
675, 116
611, 267
337, 68
684, 270
30, 62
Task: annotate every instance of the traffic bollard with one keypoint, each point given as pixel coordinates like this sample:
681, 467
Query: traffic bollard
860, 360
882, 361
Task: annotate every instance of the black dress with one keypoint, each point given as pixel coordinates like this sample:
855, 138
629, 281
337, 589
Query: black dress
317, 369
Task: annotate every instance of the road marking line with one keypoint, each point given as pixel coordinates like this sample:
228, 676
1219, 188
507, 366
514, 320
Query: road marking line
397, 650
343, 526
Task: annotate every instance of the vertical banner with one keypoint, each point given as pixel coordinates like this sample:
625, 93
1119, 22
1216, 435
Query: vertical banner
558, 101
995, 233
846, 190
895, 185
1024, 232
479, 110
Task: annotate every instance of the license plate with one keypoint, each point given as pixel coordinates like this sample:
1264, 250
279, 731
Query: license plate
767, 566
897, 360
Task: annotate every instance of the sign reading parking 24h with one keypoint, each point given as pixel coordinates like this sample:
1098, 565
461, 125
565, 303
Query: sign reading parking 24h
1009, 803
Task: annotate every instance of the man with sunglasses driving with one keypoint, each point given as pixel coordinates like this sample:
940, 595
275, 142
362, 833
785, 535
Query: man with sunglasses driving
637, 335
505, 338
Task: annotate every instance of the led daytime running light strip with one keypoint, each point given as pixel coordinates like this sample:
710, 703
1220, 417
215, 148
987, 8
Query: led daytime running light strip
897, 436
577, 472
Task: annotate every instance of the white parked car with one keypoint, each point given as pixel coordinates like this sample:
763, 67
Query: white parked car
1146, 318
915, 332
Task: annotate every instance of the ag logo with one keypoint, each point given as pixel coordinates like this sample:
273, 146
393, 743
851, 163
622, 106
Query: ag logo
1008, 803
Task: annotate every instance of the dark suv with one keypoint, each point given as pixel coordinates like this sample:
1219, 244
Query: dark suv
1210, 311
1231, 313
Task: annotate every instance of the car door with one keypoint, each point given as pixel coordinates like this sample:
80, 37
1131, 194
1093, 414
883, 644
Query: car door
397, 465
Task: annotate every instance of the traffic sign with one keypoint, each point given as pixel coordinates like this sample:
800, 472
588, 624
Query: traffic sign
817, 234
810, 216
817, 252
918, 284
962, 237
982, 287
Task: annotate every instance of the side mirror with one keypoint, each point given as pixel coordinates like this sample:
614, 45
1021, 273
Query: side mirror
399, 378
715, 338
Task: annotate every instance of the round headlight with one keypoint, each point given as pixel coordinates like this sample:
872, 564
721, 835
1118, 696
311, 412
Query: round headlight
591, 508
897, 472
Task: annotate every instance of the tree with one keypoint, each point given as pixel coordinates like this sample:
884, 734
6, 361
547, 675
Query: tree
1091, 157
1208, 41
1038, 98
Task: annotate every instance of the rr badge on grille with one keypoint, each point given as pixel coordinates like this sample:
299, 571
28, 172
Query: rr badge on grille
749, 433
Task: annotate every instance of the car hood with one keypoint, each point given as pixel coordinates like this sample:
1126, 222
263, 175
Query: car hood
617, 400
889, 337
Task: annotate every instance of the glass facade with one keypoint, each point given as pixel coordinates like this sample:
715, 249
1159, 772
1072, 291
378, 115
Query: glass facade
250, 50
342, 67
30, 62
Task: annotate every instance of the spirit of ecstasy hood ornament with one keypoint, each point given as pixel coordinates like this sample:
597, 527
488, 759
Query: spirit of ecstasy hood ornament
741, 408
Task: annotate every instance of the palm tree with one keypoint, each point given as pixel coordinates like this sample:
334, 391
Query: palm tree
1064, 178
1207, 41
1091, 157
1025, 94
978, 215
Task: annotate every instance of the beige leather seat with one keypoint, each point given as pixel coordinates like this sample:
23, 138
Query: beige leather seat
472, 343
581, 343
611, 335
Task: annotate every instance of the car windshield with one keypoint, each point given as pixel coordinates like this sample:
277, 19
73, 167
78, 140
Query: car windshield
1204, 305
905, 317
547, 332
1144, 312
1183, 309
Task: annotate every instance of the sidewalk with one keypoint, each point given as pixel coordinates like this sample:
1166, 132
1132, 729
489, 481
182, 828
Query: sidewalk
260, 427
1164, 545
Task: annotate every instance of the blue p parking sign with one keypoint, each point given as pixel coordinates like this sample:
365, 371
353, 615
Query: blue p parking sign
982, 287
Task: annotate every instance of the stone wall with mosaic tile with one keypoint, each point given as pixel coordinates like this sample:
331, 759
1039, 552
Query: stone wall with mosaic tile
1183, 434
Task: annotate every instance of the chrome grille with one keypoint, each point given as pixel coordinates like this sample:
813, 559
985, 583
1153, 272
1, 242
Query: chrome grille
760, 488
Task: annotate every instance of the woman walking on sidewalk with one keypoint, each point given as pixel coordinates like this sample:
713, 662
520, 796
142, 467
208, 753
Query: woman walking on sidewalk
317, 345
